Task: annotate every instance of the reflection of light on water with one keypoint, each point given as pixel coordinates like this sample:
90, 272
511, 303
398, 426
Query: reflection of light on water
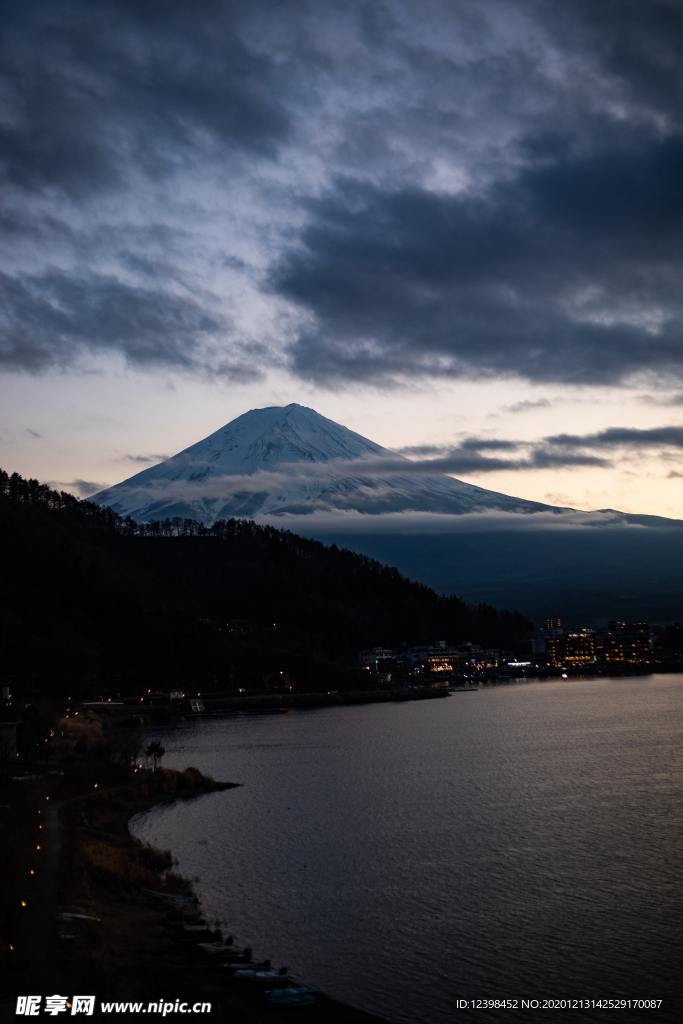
470, 829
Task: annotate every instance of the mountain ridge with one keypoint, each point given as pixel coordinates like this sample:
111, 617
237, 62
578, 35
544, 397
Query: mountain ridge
283, 460
94, 600
290, 467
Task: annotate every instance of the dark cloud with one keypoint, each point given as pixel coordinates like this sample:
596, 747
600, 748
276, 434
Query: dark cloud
470, 190
467, 444
488, 444
457, 460
662, 399
558, 257
528, 405
51, 319
83, 488
556, 451
636, 46
93, 92
569, 273
97, 103
546, 458
146, 460
423, 449
631, 437
468, 461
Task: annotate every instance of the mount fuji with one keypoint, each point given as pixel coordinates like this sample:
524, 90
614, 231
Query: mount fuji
292, 461
294, 468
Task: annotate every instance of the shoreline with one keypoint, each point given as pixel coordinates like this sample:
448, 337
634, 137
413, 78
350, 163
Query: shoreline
131, 950
221, 706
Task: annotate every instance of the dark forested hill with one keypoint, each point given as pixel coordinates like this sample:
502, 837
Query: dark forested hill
90, 601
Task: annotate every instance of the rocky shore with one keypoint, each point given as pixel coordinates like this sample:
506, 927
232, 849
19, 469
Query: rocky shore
114, 938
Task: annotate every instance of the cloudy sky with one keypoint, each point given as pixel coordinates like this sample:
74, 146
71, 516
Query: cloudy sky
452, 225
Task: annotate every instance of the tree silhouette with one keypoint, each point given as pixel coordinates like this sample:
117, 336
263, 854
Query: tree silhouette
239, 602
156, 752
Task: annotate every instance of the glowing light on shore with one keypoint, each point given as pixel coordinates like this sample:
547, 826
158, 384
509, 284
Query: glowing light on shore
23, 904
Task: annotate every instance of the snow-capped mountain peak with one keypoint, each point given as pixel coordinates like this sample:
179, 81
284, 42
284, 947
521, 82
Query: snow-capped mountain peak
263, 438
290, 459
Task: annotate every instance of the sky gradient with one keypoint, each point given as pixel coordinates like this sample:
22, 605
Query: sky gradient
453, 226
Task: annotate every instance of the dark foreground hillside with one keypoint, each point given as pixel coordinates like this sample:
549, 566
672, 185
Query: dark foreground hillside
91, 601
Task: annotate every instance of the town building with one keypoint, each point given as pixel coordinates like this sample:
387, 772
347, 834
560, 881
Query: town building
628, 643
374, 656
436, 658
579, 647
552, 641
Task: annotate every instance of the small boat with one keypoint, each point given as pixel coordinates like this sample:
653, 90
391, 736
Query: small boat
171, 897
219, 951
256, 965
293, 995
264, 977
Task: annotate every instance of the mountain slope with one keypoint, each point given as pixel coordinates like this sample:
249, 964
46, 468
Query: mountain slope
94, 602
282, 464
292, 460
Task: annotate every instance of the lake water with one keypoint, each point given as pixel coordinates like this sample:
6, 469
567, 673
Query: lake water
522, 841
